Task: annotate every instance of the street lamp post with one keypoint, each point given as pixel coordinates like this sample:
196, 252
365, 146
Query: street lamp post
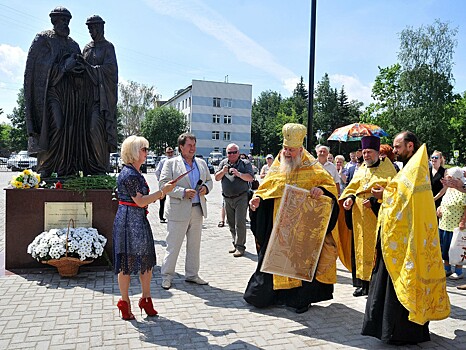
310, 108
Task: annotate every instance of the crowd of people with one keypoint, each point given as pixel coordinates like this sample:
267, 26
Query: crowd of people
391, 222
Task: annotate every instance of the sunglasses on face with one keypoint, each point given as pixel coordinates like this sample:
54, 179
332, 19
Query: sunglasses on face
434, 157
232, 152
145, 149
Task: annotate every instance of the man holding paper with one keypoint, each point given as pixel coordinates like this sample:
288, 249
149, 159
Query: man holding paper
185, 210
297, 167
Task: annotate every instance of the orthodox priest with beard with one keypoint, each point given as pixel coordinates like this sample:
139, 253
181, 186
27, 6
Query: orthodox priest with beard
294, 166
408, 287
360, 208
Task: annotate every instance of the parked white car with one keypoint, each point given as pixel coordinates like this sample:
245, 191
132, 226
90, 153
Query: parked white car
21, 161
150, 161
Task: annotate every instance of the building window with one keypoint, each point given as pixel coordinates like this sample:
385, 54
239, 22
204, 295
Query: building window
227, 119
228, 102
217, 101
216, 119
215, 135
226, 136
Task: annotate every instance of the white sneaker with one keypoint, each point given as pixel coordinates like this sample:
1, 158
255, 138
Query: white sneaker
455, 276
166, 284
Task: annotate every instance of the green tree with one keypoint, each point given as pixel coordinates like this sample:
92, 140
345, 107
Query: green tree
162, 126
18, 133
457, 110
299, 101
4, 136
387, 110
415, 94
331, 111
263, 124
133, 102
326, 109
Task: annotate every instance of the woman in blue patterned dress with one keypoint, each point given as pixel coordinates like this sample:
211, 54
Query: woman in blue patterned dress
133, 243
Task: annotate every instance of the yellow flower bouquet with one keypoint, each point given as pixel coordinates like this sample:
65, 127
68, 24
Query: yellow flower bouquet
26, 179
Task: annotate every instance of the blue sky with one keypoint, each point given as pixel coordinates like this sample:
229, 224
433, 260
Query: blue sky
167, 43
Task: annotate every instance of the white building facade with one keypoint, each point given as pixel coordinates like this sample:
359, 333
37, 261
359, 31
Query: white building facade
217, 113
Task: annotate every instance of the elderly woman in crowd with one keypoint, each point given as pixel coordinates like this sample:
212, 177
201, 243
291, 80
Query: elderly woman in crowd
133, 243
452, 213
340, 163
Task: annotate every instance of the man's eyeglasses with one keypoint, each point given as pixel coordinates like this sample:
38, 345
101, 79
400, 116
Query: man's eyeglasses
232, 152
145, 149
434, 157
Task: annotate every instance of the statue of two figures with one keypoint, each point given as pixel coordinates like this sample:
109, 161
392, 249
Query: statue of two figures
70, 99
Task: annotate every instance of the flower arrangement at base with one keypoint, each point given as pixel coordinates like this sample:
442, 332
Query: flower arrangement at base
26, 179
67, 248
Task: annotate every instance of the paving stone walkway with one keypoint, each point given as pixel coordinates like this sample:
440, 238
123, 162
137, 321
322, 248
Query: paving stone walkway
41, 310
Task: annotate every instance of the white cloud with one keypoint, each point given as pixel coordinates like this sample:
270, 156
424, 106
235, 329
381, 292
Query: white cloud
12, 63
212, 23
354, 88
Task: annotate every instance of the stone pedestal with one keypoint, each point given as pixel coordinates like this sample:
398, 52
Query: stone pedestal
25, 220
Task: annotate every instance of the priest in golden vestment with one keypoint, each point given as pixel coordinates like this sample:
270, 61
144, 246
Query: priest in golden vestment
357, 232
408, 285
293, 166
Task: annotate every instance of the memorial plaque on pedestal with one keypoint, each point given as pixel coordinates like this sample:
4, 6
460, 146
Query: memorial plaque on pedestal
25, 218
58, 214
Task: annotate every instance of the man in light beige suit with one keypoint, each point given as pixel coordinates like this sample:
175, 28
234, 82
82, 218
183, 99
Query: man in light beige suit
186, 209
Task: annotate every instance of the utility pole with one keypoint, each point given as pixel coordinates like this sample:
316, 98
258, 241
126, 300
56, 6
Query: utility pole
312, 53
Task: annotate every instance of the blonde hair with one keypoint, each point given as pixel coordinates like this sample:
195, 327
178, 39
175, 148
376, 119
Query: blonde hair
340, 157
441, 157
130, 148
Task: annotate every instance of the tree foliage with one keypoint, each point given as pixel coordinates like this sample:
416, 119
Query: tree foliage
17, 138
263, 130
270, 112
162, 126
331, 111
417, 92
457, 111
134, 101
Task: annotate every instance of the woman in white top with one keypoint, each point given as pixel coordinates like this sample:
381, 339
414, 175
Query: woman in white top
266, 167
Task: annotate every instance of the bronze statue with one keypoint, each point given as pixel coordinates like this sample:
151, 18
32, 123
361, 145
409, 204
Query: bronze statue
71, 99
52, 101
101, 66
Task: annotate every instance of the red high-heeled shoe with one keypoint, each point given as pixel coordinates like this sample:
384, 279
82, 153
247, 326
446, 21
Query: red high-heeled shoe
124, 310
146, 304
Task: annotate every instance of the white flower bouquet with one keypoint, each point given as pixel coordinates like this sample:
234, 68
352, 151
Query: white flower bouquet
83, 243
67, 248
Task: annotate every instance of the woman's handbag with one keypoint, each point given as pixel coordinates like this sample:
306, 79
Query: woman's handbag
457, 252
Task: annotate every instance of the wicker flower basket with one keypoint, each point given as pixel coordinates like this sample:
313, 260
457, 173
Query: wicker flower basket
67, 266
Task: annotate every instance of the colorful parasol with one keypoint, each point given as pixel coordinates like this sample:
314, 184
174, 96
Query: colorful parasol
355, 132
